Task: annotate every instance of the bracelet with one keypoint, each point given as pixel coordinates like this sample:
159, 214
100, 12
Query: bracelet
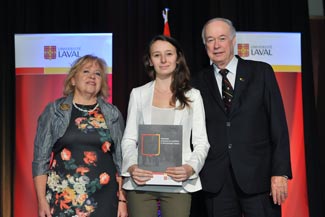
123, 201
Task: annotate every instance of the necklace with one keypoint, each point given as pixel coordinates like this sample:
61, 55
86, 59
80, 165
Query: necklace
84, 110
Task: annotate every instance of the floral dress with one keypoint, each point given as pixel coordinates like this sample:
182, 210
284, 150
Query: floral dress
82, 181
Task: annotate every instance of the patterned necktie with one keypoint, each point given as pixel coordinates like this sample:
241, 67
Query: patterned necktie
227, 90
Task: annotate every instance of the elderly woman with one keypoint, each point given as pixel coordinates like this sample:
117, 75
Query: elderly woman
77, 153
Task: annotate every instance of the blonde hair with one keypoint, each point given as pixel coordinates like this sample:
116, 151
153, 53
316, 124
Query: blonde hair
77, 65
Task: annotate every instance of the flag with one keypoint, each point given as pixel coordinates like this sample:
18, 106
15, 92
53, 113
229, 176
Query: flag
166, 25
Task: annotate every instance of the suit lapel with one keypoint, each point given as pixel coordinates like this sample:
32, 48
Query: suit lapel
146, 102
178, 114
212, 85
242, 79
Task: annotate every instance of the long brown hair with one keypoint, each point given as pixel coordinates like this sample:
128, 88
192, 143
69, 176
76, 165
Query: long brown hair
181, 75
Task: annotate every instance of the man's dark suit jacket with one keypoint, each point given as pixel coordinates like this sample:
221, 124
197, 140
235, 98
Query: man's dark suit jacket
253, 138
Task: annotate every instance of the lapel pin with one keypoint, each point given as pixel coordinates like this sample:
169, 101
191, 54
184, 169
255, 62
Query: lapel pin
64, 107
241, 79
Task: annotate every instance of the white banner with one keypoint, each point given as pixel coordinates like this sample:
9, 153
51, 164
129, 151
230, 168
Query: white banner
54, 53
277, 49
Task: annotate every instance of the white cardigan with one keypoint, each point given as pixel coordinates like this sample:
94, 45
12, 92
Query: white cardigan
192, 119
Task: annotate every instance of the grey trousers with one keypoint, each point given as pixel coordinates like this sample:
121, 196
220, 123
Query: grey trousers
153, 204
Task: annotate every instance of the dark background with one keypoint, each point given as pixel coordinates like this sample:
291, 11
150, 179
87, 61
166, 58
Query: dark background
133, 23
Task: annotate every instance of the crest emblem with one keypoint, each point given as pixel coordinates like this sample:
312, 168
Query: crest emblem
243, 50
49, 52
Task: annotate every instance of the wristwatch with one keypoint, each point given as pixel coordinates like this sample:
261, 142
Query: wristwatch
285, 176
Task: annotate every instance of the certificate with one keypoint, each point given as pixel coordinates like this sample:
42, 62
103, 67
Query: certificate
159, 147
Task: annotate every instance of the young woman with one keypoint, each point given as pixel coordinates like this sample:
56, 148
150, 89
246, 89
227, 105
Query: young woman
167, 100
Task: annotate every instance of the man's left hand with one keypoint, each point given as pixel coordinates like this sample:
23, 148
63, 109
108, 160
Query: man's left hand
279, 189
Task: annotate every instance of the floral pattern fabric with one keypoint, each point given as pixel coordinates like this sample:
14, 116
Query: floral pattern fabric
82, 181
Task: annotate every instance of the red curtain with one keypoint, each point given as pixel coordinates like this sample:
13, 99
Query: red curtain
291, 89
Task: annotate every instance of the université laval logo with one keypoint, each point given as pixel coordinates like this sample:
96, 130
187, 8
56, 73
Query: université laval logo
49, 52
243, 50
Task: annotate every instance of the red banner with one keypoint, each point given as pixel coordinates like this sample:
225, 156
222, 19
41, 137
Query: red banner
291, 89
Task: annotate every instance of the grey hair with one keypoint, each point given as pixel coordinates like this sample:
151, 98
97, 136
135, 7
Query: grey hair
228, 22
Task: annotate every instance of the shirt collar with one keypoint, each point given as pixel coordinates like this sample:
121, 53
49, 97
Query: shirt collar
232, 66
